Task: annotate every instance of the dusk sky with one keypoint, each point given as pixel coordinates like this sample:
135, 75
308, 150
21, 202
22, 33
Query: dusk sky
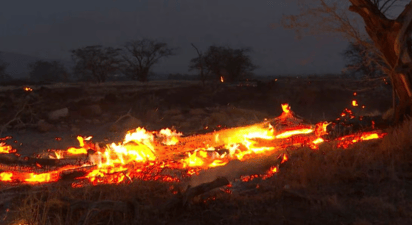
50, 29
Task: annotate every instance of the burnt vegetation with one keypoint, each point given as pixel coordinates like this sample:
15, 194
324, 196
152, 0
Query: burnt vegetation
366, 183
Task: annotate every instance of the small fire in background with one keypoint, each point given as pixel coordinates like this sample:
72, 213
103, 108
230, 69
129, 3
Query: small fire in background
28, 89
221, 79
355, 102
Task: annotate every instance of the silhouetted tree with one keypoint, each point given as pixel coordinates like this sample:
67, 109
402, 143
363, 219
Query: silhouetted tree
361, 62
231, 64
200, 65
389, 34
141, 55
43, 71
96, 62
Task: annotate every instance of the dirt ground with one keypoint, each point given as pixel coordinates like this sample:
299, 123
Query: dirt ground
102, 110
369, 184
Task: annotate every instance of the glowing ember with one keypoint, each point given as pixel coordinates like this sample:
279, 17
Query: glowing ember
290, 133
221, 79
145, 155
169, 136
354, 103
285, 108
6, 148
28, 89
318, 141
6, 176
370, 136
346, 141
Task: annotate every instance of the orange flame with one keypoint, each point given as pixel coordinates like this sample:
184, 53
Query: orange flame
285, 108
6, 148
141, 155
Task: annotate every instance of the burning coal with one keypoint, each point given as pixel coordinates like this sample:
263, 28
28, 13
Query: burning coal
168, 156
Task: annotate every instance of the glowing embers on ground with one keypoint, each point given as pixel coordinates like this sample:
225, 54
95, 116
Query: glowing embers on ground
346, 141
168, 156
6, 148
33, 177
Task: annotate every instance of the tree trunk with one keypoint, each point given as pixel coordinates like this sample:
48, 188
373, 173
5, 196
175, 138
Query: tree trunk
202, 76
391, 37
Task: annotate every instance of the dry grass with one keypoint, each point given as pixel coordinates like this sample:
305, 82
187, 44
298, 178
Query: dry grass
369, 183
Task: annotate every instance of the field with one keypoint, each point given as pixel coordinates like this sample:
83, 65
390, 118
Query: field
367, 183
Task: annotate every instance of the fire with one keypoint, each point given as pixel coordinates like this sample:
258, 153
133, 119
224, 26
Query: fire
348, 140
146, 154
6, 148
285, 108
290, 133
221, 79
354, 103
171, 137
28, 89
6, 176
369, 136
81, 150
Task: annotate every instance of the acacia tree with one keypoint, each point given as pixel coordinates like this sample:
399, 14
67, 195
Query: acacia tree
141, 55
44, 71
96, 62
224, 62
389, 35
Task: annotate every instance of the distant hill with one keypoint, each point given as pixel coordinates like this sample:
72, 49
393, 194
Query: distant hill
18, 63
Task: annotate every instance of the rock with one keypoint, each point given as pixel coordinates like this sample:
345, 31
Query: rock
44, 126
91, 110
57, 114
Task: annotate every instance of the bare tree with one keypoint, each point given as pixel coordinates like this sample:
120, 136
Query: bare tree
224, 62
389, 35
142, 54
204, 74
96, 62
362, 63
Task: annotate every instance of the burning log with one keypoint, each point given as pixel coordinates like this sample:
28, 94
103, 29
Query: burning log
181, 200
